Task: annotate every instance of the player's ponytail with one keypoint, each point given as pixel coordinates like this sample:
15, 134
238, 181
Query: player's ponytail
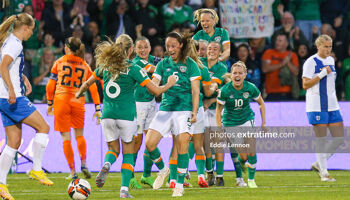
192, 49
14, 22
112, 57
76, 46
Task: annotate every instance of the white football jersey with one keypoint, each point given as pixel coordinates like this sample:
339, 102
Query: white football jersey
322, 96
12, 46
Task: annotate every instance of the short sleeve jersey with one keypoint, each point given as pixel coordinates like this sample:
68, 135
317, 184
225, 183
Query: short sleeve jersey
206, 80
12, 47
220, 35
237, 109
322, 96
70, 72
119, 99
178, 97
216, 72
141, 93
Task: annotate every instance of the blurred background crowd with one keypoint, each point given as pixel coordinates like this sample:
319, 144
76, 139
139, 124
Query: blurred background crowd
297, 24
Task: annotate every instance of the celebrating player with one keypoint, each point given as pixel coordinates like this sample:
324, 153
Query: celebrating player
217, 70
235, 97
67, 75
120, 75
208, 19
15, 108
178, 108
145, 106
322, 105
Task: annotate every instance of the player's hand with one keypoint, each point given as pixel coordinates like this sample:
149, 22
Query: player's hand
12, 97
49, 110
27, 85
172, 79
193, 118
98, 116
328, 70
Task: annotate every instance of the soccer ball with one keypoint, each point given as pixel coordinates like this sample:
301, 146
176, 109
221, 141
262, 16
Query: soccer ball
79, 189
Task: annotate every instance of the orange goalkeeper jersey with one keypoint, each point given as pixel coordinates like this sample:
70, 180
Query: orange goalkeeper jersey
69, 72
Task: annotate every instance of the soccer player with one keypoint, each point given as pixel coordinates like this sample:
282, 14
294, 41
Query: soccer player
208, 19
15, 108
146, 107
235, 97
217, 70
178, 108
67, 75
322, 107
197, 129
120, 75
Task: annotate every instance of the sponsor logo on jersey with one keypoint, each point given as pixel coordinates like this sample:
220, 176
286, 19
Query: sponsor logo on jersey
183, 69
168, 69
217, 38
318, 118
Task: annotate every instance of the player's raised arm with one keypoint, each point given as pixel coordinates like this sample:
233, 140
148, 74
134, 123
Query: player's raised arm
85, 86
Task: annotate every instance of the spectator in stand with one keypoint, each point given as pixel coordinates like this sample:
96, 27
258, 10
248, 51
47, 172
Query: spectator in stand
58, 16
195, 4
80, 30
275, 61
41, 74
148, 15
158, 51
253, 71
177, 12
339, 38
48, 43
295, 35
18, 5
211, 4
303, 53
345, 73
335, 12
33, 43
95, 10
93, 28
307, 15
277, 11
81, 6
258, 47
38, 7
119, 20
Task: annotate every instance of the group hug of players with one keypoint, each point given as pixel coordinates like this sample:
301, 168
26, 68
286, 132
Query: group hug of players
197, 93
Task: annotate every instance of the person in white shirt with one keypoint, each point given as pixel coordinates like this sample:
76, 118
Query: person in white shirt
322, 105
15, 108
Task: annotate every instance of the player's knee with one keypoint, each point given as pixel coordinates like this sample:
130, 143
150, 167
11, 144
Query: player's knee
44, 128
14, 143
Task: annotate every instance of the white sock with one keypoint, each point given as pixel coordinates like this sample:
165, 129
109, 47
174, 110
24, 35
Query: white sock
163, 170
333, 145
6, 159
39, 145
201, 176
178, 185
124, 188
321, 156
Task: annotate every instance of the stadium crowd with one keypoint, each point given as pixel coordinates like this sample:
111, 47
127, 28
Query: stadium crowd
297, 24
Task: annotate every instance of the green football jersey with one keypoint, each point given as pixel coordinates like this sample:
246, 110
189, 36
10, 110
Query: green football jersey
178, 97
216, 72
206, 80
220, 35
176, 15
141, 93
237, 108
119, 99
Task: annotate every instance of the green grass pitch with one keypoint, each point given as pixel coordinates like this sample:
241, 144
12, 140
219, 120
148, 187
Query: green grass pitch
272, 185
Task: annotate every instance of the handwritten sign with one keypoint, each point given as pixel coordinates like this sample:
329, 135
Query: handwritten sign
247, 18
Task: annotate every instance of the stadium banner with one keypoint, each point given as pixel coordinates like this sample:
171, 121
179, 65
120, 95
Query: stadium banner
288, 114
247, 18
